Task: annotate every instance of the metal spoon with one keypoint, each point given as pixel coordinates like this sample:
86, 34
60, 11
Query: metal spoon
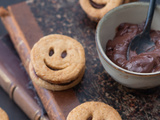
142, 42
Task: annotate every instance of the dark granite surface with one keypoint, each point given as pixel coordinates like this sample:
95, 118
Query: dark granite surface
66, 17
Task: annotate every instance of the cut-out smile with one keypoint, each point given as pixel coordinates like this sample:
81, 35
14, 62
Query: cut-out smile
60, 84
52, 68
95, 5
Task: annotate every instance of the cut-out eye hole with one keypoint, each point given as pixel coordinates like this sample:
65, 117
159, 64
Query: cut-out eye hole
51, 52
90, 118
64, 54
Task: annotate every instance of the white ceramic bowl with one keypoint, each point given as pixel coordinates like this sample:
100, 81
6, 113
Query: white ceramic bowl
132, 13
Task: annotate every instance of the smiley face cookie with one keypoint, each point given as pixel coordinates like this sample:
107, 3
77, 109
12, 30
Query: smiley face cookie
96, 9
94, 111
3, 115
57, 62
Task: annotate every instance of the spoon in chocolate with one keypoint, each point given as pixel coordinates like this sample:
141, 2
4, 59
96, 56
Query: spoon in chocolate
142, 42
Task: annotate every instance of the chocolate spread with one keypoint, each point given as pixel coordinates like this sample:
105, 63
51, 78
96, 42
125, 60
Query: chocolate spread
145, 62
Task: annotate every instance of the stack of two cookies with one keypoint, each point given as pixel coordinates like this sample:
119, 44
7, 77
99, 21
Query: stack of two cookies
57, 62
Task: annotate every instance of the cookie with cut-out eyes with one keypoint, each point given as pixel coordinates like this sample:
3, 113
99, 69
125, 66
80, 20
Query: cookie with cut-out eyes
54, 87
3, 115
58, 59
96, 9
94, 111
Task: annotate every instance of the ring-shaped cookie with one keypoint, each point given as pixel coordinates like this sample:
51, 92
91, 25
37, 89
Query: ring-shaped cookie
3, 115
96, 13
94, 111
54, 87
50, 64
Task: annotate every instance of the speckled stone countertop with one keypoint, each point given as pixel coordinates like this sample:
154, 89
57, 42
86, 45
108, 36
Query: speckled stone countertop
66, 17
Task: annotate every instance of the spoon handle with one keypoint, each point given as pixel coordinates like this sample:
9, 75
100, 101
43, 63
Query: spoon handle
150, 14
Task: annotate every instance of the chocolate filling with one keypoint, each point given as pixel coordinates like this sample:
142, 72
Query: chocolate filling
62, 84
123, 1
95, 5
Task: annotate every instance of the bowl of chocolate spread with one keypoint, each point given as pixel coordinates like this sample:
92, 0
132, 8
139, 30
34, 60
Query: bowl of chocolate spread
113, 35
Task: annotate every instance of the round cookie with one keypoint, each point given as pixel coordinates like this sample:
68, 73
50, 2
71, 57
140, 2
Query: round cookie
94, 111
3, 115
58, 59
51, 86
96, 9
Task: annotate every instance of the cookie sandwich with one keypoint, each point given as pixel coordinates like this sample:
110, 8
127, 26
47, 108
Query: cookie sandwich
94, 111
57, 62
